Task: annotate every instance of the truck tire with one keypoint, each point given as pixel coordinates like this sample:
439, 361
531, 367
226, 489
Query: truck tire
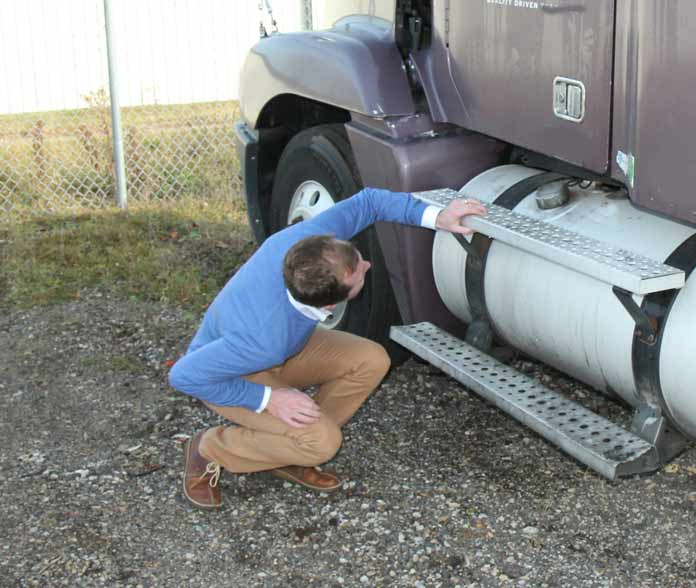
315, 171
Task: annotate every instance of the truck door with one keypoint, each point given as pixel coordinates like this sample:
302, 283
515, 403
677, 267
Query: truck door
536, 73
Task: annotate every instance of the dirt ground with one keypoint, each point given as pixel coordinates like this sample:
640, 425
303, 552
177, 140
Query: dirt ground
441, 488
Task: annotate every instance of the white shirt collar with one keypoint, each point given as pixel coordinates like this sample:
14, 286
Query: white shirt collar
312, 312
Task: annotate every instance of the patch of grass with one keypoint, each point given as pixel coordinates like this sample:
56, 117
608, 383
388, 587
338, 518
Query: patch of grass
119, 363
90, 362
126, 363
180, 253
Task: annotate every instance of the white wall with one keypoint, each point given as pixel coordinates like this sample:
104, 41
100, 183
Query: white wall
50, 53
325, 13
53, 53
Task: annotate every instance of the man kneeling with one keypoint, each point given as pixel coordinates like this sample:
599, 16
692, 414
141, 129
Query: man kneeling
259, 345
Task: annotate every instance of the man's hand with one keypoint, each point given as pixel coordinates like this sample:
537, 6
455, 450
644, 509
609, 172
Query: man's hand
450, 218
293, 407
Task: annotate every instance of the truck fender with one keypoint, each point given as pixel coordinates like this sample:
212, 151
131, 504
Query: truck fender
355, 66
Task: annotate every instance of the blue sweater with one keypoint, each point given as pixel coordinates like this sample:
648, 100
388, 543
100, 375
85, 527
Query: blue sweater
251, 325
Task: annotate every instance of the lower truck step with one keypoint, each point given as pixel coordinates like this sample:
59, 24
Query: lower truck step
605, 447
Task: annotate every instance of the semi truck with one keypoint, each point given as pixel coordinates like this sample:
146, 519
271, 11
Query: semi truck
571, 120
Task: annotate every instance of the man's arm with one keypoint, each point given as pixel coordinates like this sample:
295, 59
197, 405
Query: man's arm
351, 216
213, 373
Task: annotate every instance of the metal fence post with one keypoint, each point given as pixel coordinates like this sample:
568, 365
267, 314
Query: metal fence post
119, 159
307, 24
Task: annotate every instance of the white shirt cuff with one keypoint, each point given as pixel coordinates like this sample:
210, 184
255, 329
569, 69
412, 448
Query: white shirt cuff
266, 398
430, 216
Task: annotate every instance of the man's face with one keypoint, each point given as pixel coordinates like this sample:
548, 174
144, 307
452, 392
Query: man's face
356, 279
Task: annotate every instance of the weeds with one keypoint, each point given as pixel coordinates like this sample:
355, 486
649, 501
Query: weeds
180, 253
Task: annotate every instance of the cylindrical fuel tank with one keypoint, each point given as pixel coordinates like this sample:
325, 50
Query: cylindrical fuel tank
569, 320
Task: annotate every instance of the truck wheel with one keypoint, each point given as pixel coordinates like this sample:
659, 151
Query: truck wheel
317, 170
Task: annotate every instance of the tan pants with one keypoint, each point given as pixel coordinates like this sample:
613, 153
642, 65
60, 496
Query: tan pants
346, 367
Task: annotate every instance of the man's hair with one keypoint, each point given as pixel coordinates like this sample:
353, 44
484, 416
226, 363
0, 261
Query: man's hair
313, 270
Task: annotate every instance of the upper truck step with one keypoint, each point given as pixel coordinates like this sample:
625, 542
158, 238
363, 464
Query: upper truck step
601, 261
600, 444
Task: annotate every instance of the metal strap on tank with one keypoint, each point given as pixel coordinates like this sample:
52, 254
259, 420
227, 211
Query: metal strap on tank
519, 191
647, 346
480, 332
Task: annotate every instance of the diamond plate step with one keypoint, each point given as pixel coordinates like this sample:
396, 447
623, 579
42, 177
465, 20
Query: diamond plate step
599, 260
593, 440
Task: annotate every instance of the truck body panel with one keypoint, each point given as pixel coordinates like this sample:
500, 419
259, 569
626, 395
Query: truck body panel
504, 56
355, 66
593, 98
654, 104
406, 163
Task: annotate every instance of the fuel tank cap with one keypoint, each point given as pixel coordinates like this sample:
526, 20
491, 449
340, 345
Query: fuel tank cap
553, 195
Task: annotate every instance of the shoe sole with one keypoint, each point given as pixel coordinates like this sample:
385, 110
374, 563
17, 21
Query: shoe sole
198, 505
290, 478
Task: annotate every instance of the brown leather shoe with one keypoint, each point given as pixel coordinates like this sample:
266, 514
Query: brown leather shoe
309, 477
201, 477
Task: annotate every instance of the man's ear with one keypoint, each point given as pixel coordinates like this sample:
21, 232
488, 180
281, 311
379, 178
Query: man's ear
330, 307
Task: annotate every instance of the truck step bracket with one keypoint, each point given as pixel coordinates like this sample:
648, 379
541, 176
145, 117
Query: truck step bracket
603, 446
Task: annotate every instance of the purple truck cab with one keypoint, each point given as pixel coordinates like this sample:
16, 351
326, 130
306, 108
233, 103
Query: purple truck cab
570, 119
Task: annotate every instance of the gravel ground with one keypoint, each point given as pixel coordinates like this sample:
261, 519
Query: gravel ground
441, 488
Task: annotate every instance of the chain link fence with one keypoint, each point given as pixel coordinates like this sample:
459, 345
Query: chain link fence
178, 66
55, 161
170, 153
62, 161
